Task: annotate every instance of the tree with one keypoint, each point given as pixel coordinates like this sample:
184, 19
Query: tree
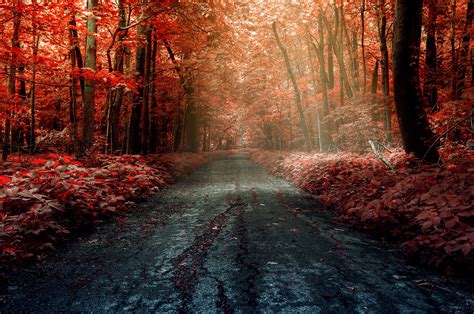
88, 103
15, 44
416, 135
464, 51
295, 88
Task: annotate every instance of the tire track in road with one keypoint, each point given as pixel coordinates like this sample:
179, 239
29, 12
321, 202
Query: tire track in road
189, 264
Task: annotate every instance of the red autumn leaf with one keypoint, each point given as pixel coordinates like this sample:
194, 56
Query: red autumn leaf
4, 180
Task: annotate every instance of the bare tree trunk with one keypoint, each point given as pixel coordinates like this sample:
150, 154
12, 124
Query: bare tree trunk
330, 76
339, 37
12, 78
340, 58
364, 63
153, 100
416, 135
316, 105
384, 62
88, 102
73, 42
299, 105
146, 92
454, 63
134, 136
32, 140
464, 51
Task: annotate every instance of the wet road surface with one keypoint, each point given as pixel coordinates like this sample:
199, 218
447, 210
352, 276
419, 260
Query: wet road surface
230, 238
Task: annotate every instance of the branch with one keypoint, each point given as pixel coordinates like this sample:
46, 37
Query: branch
381, 157
443, 134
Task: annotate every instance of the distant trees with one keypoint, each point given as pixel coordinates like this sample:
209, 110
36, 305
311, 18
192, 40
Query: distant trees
141, 77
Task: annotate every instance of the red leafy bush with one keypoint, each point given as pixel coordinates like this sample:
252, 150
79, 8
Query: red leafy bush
429, 209
38, 206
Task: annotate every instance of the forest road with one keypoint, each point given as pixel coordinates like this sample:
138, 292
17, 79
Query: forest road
229, 238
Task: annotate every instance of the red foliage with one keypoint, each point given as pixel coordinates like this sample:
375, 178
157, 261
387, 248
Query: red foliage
39, 206
429, 209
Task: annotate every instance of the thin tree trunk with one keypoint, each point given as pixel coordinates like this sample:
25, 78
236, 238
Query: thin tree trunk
416, 135
340, 41
382, 28
340, 58
134, 137
330, 76
464, 51
153, 100
454, 63
364, 63
299, 105
146, 92
12, 78
32, 140
72, 89
88, 102
313, 81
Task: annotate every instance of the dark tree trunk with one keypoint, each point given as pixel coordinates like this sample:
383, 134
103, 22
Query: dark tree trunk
146, 92
416, 135
330, 76
384, 62
153, 100
191, 120
299, 105
134, 136
373, 91
116, 105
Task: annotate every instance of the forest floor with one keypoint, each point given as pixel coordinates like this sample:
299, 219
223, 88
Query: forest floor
230, 237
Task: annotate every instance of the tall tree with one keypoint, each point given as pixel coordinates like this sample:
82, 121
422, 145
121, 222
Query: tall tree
296, 89
416, 135
88, 102
15, 44
384, 62
464, 51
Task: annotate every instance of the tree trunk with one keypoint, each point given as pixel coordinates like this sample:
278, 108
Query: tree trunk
32, 140
340, 58
146, 92
299, 105
373, 91
330, 76
454, 63
430, 90
72, 89
11, 79
134, 136
153, 100
416, 135
464, 51
384, 62
364, 62
316, 105
88, 102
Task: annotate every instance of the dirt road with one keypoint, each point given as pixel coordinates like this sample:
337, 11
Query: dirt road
230, 238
